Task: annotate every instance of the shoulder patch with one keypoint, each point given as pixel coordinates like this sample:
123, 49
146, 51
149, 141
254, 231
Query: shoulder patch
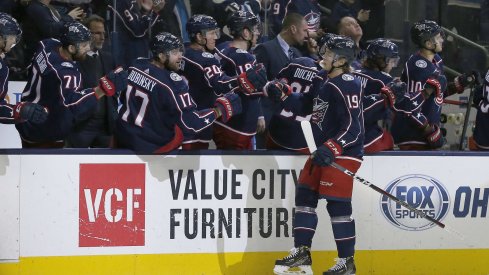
67, 64
347, 77
421, 64
207, 55
175, 77
241, 51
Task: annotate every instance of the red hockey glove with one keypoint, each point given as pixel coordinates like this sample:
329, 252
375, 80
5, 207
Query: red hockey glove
29, 111
435, 86
253, 80
228, 106
394, 92
277, 90
326, 153
434, 137
113, 82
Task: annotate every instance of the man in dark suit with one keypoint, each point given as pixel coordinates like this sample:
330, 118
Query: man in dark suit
277, 53
96, 131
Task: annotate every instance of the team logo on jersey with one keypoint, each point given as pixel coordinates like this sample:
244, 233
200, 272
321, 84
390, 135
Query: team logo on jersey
421, 191
67, 64
347, 77
421, 64
175, 77
319, 109
312, 20
208, 55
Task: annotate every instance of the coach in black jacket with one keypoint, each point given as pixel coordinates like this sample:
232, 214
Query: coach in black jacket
96, 131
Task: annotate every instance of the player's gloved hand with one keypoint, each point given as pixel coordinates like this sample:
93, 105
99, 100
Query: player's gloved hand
114, 82
435, 86
253, 80
326, 153
228, 106
466, 79
434, 137
277, 90
394, 92
28, 111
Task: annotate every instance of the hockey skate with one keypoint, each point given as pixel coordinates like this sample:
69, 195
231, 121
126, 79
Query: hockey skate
297, 262
343, 266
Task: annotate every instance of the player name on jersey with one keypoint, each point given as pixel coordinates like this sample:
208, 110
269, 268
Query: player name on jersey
142, 80
304, 74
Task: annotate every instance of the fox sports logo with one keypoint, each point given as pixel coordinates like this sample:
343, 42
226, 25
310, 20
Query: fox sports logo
420, 191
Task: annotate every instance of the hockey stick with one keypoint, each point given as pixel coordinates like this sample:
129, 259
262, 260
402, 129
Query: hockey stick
307, 131
454, 102
466, 119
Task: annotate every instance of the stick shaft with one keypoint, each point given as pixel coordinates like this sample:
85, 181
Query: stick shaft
383, 192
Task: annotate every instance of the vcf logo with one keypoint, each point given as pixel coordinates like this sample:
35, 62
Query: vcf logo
112, 205
420, 191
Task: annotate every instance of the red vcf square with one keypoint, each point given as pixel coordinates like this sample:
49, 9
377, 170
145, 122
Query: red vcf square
112, 205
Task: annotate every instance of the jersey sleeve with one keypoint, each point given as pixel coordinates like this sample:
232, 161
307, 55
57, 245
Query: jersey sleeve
217, 79
82, 103
191, 120
133, 20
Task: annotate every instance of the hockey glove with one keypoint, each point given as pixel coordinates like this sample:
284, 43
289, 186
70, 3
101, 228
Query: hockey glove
114, 82
326, 153
434, 85
277, 90
466, 79
253, 80
29, 111
228, 106
434, 137
394, 92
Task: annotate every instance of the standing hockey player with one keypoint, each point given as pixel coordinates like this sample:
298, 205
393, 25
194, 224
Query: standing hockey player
300, 74
54, 82
205, 79
10, 34
337, 122
239, 131
380, 101
157, 107
481, 131
424, 72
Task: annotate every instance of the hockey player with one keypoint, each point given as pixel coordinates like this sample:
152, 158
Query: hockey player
10, 34
239, 131
54, 82
157, 107
300, 74
134, 19
337, 121
481, 131
205, 79
380, 99
424, 72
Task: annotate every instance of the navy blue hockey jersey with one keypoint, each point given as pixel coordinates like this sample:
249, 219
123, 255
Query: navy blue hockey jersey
157, 100
54, 83
235, 61
481, 100
206, 82
408, 128
337, 113
299, 74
